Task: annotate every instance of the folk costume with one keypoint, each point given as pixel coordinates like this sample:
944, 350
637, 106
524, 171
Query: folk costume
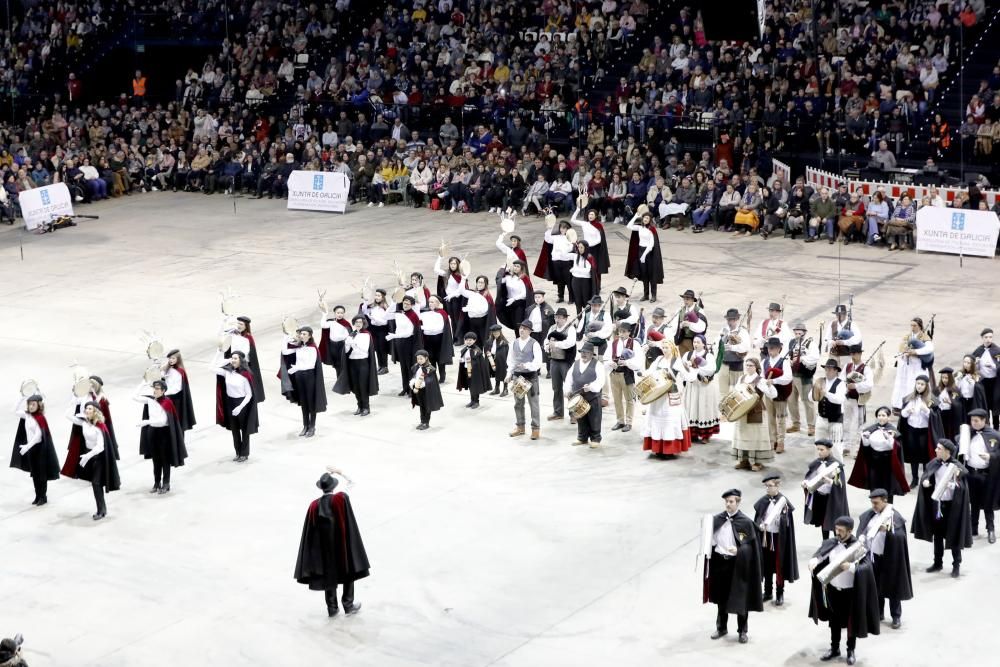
832, 392
425, 391
451, 286
595, 238
438, 338
333, 332
778, 372
945, 521
585, 277
735, 345
513, 289
691, 321
542, 317
803, 357
179, 391
733, 581
858, 382
361, 367
585, 379
884, 535
496, 351
829, 500
701, 394
241, 340
560, 261
379, 313
775, 522
879, 464
236, 404
34, 452
302, 379
920, 428
915, 359
981, 455
987, 359
331, 552
473, 370
161, 438
752, 445
406, 337
92, 457
479, 312
524, 362
645, 261
560, 344
665, 431
624, 361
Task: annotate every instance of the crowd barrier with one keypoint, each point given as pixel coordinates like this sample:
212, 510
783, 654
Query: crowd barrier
818, 178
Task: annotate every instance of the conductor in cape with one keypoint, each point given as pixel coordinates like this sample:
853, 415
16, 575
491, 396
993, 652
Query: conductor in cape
734, 579
849, 598
330, 551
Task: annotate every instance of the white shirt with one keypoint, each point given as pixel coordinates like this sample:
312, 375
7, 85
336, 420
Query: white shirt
453, 288
880, 440
377, 315
724, 540
786, 370
516, 289
595, 385
846, 577
581, 267
977, 446
809, 356
837, 396
338, 332
157, 415
357, 346
240, 343
863, 387
776, 328
739, 348
305, 357
93, 438
535, 317
567, 344
875, 538
536, 356
987, 367
630, 307
562, 249
431, 323
32, 431
967, 386
645, 236
174, 380
419, 295
476, 304
916, 413
939, 474
591, 234
506, 250
607, 327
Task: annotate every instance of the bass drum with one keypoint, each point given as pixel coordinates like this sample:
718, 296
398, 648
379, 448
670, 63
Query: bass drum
578, 407
738, 402
653, 385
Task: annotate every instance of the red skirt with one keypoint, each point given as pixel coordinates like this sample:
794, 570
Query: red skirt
704, 433
668, 446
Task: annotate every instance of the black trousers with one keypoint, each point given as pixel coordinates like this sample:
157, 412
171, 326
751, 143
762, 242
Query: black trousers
940, 532
895, 606
721, 570
425, 414
237, 426
161, 455
558, 369
978, 489
561, 276
769, 566
839, 603
404, 351
588, 427
358, 372
97, 482
581, 289
379, 333
41, 484
989, 386
347, 598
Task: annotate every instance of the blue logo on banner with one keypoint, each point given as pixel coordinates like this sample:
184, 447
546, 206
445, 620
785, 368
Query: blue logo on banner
46, 199
958, 221
318, 182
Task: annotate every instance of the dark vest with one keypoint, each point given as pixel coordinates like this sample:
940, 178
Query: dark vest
853, 393
798, 369
586, 376
830, 411
628, 345
559, 353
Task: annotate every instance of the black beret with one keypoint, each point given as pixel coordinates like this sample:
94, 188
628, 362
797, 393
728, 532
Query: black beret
732, 492
878, 493
771, 475
824, 442
978, 412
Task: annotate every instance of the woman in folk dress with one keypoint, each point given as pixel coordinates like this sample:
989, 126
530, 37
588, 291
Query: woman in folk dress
701, 394
751, 440
665, 430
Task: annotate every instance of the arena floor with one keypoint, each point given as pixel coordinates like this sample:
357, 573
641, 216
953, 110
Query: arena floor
484, 550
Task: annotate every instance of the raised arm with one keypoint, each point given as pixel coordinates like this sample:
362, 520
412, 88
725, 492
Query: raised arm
439, 265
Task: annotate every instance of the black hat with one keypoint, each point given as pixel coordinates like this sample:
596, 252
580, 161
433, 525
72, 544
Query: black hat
774, 306
659, 312
623, 314
587, 347
978, 412
596, 300
409, 298
732, 492
525, 323
172, 353
470, 335
422, 353
771, 475
845, 521
947, 370
380, 290
515, 237
985, 331
37, 398
496, 327
620, 291
361, 317
831, 363
244, 319
841, 309
688, 294
624, 326
732, 314
855, 348
97, 379
327, 483
539, 292
948, 444
562, 312
308, 330
922, 376
774, 341
824, 442
878, 493
800, 326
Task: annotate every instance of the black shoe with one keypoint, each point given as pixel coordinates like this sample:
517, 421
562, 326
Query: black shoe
165, 489
35, 501
383, 371
98, 516
768, 595
365, 412
719, 634
494, 392
991, 536
423, 427
626, 428
618, 426
242, 459
954, 571
473, 405
332, 611
403, 393
504, 392
236, 458
780, 600
850, 657
357, 412
310, 433
743, 638
156, 487
936, 567
305, 429
469, 404
830, 655
42, 501
895, 624
353, 609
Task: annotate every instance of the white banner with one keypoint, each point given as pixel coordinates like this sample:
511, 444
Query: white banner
318, 191
957, 231
41, 205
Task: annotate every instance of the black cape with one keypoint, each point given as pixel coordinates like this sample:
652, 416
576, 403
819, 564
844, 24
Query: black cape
330, 551
248, 417
864, 615
176, 452
995, 353
499, 359
504, 313
479, 379
429, 396
343, 385
894, 575
991, 488
823, 511
41, 460
253, 365
183, 403
865, 471
745, 590
633, 267
935, 431
304, 390
959, 528
72, 468
787, 569
443, 351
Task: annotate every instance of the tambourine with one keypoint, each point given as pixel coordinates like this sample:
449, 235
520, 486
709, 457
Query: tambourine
29, 388
507, 225
155, 350
82, 387
582, 201
443, 249
550, 221
465, 266
152, 373
289, 325
571, 235
642, 210
229, 305
398, 294
225, 342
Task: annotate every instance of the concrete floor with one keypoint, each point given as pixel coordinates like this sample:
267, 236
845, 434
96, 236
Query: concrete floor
484, 550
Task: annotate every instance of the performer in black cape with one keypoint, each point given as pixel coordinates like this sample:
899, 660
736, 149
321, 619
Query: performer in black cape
331, 552
425, 391
775, 521
302, 381
946, 522
595, 237
34, 451
179, 389
451, 285
883, 531
438, 335
92, 455
236, 402
513, 290
987, 358
734, 570
379, 313
585, 278
880, 459
829, 501
949, 400
360, 376
334, 329
850, 600
970, 386
496, 350
982, 458
241, 340
406, 337
473, 370
920, 426
161, 437
645, 261
479, 312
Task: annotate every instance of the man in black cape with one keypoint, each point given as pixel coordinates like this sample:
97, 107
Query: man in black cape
991, 386
361, 370
850, 599
829, 501
773, 516
734, 579
883, 531
982, 458
945, 522
164, 444
330, 551
473, 370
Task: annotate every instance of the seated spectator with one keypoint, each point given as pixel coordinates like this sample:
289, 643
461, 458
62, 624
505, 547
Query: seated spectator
878, 215
823, 216
901, 223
